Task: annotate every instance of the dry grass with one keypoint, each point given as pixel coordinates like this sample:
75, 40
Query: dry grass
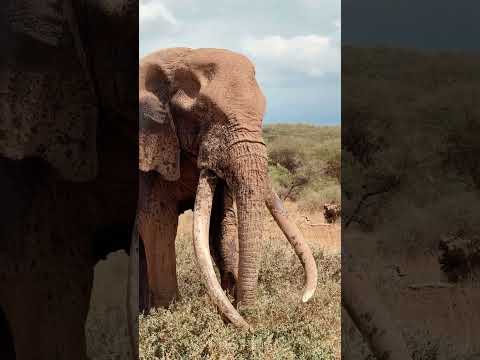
192, 328
406, 137
284, 327
304, 163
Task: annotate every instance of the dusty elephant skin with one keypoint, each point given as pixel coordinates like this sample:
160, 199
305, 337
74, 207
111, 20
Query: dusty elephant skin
68, 166
201, 148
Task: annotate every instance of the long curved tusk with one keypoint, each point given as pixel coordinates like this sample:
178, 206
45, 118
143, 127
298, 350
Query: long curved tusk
371, 316
201, 225
295, 237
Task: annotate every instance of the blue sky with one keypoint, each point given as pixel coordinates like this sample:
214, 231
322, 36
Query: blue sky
295, 46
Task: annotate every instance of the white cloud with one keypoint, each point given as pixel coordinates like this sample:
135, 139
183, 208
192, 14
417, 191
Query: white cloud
313, 55
312, 4
151, 11
295, 46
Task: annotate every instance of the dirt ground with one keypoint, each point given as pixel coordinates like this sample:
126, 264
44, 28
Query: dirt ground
312, 225
438, 320
106, 330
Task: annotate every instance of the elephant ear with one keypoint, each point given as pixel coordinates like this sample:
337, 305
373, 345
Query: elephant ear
48, 109
42, 20
158, 141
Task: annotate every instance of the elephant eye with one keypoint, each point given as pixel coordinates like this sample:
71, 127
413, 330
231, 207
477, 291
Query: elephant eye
209, 71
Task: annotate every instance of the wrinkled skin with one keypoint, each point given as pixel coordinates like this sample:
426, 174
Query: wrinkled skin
67, 200
201, 148
207, 138
200, 134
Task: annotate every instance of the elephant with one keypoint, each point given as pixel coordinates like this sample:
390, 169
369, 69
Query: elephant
68, 165
201, 149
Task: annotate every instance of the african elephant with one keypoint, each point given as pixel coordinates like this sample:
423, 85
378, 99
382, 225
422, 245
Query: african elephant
66, 118
201, 148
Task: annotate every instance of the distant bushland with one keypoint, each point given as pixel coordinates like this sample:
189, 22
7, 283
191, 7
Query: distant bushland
304, 163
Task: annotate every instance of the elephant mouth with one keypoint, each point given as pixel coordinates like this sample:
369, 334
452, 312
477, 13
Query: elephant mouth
201, 225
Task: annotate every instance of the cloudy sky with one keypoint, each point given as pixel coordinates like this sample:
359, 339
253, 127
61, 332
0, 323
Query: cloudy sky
426, 24
295, 46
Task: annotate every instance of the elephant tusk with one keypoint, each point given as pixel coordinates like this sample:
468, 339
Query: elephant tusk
201, 225
372, 317
295, 238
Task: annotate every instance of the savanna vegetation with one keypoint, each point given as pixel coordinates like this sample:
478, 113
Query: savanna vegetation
410, 189
412, 121
304, 161
284, 328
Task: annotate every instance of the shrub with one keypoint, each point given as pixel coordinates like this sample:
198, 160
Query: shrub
304, 161
284, 328
286, 156
314, 200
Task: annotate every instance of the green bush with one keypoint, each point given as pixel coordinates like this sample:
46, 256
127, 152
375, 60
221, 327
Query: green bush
284, 328
308, 158
411, 131
304, 162
314, 200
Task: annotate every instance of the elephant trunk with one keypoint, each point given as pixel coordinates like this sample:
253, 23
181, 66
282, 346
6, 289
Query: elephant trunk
201, 225
295, 238
250, 175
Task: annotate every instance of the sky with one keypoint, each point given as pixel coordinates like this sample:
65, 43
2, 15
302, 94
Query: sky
426, 24
295, 46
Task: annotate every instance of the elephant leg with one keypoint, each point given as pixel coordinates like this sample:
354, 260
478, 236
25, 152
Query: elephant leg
143, 288
47, 314
158, 237
157, 225
46, 265
7, 347
46, 298
224, 237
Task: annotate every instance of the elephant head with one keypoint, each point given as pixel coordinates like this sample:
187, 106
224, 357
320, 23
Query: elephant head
206, 103
66, 97
76, 88
41, 20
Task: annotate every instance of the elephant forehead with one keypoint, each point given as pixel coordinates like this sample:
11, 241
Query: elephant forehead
220, 60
